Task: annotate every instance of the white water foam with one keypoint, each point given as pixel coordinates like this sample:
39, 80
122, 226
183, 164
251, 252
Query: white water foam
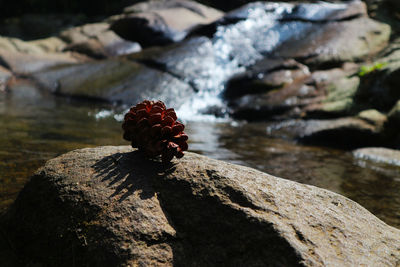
235, 47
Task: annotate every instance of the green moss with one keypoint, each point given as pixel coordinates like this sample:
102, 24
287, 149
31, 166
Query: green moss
366, 69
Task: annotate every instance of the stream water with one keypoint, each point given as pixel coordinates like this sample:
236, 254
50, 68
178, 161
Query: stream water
36, 126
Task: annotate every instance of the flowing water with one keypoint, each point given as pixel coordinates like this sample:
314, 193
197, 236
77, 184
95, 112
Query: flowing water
35, 127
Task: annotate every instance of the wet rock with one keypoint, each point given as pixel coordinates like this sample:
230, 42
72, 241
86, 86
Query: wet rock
274, 34
115, 80
380, 79
378, 155
276, 104
5, 75
196, 61
343, 132
264, 76
261, 29
98, 41
319, 34
36, 47
22, 63
109, 206
337, 42
162, 22
269, 88
339, 98
373, 116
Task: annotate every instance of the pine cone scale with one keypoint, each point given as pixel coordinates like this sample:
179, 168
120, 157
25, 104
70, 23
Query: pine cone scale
154, 129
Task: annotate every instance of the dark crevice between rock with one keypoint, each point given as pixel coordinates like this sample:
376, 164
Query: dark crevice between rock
323, 21
209, 30
390, 51
346, 139
314, 64
378, 90
137, 30
4, 64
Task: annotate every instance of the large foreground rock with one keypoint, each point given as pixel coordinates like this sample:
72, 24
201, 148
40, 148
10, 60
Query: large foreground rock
108, 206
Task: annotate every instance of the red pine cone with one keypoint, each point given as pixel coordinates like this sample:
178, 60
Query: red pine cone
154, 129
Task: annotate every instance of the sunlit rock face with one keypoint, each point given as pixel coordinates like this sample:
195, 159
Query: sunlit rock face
162, 22
97, 41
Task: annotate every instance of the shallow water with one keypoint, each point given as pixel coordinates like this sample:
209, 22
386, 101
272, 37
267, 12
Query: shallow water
35, 127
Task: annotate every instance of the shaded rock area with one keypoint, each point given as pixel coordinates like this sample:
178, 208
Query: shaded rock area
380, 79
109, 206
342, 132
394, 114
115, 80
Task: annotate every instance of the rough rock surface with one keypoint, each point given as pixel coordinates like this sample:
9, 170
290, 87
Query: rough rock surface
98, 41
373, 116
36, 47
115, 80
346, 132
22, 63
329, 41
162, 22
108, 206
379, 85
338, 100
378, 154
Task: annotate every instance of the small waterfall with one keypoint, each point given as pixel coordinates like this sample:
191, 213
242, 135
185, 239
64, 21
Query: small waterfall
250, 34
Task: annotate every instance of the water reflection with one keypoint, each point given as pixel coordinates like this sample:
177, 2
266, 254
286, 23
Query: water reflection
39, 127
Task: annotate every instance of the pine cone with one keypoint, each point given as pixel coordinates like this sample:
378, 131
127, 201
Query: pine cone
154, 129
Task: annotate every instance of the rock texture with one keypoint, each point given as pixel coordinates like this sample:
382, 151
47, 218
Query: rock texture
98, 41
109, 206
25, 64
115, 80
343, 132
379, 154
162, 22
